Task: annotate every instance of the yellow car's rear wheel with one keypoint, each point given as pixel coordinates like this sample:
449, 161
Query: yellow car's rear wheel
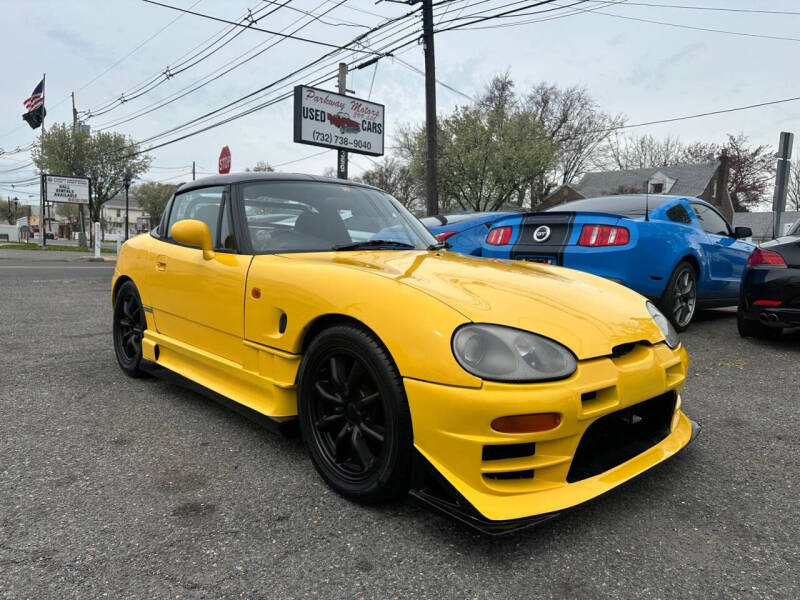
354, 415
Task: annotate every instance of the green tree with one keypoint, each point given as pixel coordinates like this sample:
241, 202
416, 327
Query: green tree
153, 198
104, 156
67, 210
487, 153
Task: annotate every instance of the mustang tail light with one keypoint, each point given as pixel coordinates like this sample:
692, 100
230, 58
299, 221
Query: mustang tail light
604, 235
766, 258
444, 236
499, 236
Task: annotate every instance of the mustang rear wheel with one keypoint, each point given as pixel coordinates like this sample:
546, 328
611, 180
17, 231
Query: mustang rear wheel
680, 298
354, 416
129, 326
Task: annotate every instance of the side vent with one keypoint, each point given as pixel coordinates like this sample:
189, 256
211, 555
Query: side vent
526, 474
599, 400
504, 451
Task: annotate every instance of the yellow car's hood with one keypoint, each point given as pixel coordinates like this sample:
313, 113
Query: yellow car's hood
588, 314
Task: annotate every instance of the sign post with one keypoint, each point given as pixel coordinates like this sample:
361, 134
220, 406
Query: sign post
782, 180
225, 161
336, 121
341, 162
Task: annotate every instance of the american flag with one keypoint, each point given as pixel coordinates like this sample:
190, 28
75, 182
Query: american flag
37, 97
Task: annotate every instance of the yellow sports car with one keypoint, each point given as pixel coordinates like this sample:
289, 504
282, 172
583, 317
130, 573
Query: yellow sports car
500, 392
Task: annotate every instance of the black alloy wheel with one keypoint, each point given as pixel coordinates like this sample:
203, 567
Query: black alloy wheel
129, 326
679, 301
354, 415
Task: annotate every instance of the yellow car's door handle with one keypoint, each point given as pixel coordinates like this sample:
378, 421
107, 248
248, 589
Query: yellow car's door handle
161, 263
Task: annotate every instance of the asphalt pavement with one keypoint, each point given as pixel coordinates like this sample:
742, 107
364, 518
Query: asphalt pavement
141, 488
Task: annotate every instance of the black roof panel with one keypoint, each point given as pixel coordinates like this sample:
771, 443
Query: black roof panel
627, 204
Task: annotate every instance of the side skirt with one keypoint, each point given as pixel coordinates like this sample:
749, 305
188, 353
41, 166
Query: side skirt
286, 427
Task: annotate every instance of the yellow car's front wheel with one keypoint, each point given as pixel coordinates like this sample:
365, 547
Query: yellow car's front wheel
354, 415
129, 326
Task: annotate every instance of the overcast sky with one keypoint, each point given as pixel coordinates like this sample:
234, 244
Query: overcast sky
643, 70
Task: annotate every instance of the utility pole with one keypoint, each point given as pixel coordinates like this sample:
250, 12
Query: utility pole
82, 236
782, 179
127, 182
192, 170
431, 177
341, 162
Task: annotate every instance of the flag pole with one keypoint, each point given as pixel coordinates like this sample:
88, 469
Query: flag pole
42, 232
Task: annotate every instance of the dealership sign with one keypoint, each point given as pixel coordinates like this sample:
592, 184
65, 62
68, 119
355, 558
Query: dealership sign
70, 190
331, 120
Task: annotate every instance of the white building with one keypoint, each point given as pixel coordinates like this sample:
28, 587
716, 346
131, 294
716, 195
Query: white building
113, 217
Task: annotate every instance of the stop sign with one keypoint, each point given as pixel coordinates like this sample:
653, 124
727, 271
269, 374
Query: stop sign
225, 160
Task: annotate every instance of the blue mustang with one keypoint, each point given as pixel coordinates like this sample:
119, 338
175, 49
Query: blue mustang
678, 251
463, 232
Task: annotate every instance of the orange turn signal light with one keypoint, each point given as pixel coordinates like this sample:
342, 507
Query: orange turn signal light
526, 423
256, 293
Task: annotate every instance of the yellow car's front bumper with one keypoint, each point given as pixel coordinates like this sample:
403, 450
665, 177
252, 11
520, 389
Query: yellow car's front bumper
506, 477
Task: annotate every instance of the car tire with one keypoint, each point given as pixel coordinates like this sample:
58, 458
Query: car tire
128, 331
679, 301
354, 416
751, 328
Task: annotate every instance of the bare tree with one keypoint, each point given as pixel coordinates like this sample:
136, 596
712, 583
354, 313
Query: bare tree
645, 151
752, 170
574, 121
261, 166
394, 176
793, 190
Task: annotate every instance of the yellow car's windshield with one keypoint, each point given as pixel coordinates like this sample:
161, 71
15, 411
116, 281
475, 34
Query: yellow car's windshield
303, 216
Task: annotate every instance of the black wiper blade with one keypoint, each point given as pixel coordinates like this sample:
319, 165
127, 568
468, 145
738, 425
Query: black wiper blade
437, 246
373, 244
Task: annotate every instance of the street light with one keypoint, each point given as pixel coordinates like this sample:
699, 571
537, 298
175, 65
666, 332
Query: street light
127, 182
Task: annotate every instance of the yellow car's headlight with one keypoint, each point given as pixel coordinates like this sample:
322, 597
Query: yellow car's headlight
499, 353
668, 331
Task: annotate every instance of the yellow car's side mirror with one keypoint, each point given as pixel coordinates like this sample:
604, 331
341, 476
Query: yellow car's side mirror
192, 232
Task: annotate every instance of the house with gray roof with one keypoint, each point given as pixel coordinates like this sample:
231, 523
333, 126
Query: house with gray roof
698, 180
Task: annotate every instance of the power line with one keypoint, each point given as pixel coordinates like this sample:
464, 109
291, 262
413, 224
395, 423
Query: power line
183, 64
440, 82
253, 27
575, 11
60, 102
657, 22
699, 115
341, 23
713, 8
156, 34
214, 75
506, 14
297, 160
695, 28
280, 80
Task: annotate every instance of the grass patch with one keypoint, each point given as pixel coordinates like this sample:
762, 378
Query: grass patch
53, 248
